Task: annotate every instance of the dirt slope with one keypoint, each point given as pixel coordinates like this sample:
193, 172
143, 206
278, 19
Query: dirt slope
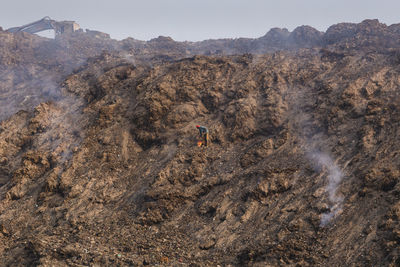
303, 168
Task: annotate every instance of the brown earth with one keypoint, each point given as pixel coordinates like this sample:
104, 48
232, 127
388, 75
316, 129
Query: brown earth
302, 170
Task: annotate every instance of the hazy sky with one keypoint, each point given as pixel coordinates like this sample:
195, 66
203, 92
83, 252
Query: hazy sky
197, 19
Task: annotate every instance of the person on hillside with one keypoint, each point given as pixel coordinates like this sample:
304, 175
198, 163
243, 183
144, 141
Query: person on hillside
203, 132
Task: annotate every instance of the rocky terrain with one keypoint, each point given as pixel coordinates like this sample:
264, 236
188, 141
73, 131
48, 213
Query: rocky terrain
99, 164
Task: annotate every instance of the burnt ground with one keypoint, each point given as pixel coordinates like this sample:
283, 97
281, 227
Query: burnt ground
302, 170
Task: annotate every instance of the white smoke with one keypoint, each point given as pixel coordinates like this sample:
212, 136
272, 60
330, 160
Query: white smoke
314, 142
23, 88
128, 57
335, 175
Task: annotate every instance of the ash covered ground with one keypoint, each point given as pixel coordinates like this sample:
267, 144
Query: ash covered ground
99, 164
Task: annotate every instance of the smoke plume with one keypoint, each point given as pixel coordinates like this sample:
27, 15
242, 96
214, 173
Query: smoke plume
325, 163
307, 127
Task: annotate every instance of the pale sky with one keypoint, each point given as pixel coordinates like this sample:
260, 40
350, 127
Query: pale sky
195, 20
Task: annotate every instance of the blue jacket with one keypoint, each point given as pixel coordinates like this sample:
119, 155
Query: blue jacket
202, 130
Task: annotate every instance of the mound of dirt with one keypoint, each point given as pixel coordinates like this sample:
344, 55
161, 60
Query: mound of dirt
302, 169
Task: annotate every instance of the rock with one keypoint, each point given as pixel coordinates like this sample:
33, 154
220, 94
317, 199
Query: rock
339, 32
305, 36
276, 37
4, 230
382, 179
207, 244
